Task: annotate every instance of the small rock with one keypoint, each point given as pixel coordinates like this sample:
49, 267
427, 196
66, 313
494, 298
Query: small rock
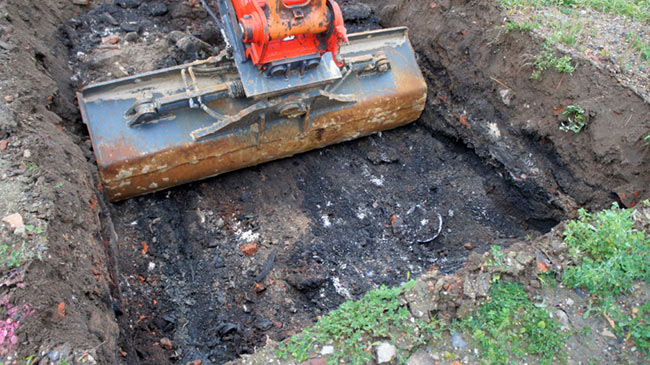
54, 355
457, 341
263, 324
152, 266
131, 37
468, 246
355, 11
420, 357
111, 39
27, 154
176, 35
166, 343
563, 318
506, 96
245, 196
249, 249
608, 333
327, 350
3, 144
318, 361
569, 302
158, 9
259, 288
385, 352
14, 220
9, 99
7, 46
129, 26
80, 2
132, 4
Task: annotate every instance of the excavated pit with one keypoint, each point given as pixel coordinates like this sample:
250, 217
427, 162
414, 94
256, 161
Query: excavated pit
327, 225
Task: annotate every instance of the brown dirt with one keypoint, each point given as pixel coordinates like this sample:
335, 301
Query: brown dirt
504, 171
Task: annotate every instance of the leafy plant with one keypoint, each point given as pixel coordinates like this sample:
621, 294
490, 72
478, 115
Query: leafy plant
646, 139
610, 255
575, 119
355, 325
548, 60
509, 326
13, 256
498, 256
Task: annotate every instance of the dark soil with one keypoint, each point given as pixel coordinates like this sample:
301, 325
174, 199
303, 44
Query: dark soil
329, 224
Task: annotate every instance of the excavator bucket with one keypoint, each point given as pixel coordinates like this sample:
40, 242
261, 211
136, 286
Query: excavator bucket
180, 124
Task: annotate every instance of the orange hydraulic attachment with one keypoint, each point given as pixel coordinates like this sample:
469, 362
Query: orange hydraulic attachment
277, 31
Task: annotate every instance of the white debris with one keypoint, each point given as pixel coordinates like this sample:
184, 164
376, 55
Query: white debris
385, 353
326, 220
340, 289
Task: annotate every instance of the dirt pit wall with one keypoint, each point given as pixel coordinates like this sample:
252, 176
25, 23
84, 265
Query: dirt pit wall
328, 225
56, 296
482, 93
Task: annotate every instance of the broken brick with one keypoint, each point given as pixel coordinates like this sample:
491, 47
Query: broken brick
249, 249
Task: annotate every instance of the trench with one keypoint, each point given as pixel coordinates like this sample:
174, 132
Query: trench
329, 224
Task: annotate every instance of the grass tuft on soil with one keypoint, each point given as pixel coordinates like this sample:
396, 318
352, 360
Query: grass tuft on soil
356, 326
508, 327
635, 9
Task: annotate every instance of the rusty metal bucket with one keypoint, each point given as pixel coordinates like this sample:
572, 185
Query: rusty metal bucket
185, 123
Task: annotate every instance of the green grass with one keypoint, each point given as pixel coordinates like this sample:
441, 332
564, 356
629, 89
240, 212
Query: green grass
566, 32
610, 255
509, 327
635, 9
575, 119
639, 45
521, 27
356, 326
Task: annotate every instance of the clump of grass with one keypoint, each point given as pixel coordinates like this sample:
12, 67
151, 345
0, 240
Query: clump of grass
521, 27
575, 119
642, 47
567, 32
509, 326
635, 9
355, 325
610, 255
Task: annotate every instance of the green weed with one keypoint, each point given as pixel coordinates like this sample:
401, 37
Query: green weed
11, 257
575, 119
610, 255
509, 326
635, 9
548, 60
521, 27
355, 325
566, 33
646, 139
642, 47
